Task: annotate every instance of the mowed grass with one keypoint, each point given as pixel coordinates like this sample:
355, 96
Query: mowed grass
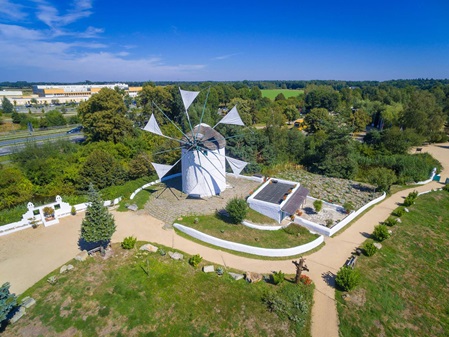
272, 93
116, 297
404, 287
215, 226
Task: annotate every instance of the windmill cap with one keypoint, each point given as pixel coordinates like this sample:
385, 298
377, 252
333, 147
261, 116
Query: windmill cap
205, 136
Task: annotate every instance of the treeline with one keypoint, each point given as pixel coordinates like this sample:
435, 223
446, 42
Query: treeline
116, 150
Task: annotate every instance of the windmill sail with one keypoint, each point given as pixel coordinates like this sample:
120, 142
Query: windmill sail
188, 97
161, 169
237, 166
232, 117
152, 126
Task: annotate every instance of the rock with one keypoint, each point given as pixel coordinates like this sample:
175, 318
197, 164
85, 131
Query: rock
390, 231
208, 269
149, 248
82, 256
236, 276
28, 302
70, 267
398, 220
133, 207
63, 269
18, 315
406, 210
253, 277
378, 245
176, 256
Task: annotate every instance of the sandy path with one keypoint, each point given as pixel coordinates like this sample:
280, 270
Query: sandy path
29, 255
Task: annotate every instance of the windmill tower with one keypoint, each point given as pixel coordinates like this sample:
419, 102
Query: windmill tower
203, 153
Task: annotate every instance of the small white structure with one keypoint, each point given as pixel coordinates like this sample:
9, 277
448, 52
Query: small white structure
278, 198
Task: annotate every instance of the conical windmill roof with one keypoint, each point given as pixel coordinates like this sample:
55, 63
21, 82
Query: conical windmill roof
205, 136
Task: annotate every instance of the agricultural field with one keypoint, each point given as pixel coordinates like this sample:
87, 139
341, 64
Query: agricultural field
404, 287
272, 93
135, 293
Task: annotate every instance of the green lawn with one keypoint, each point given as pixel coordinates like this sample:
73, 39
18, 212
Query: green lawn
272, 93
404, 287
214, 226
116, 297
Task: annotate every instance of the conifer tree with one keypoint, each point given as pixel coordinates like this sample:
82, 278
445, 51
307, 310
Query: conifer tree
7, 301
98, 224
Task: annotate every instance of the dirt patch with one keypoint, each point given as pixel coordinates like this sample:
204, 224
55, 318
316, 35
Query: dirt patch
65, 310
357, 297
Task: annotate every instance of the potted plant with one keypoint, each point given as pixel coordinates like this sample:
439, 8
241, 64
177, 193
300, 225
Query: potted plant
73, 210
49, 213
33, 222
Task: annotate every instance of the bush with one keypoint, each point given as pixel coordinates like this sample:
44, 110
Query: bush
348, 206
129, 242
220, 271
411, 198
380, 233
398, 212
293, 229
162, 251
277, 277
305, 280
237, 209
446, 188
318, 205
347, 278
390, 222
7, 301
195, 260
369, 249
73, 210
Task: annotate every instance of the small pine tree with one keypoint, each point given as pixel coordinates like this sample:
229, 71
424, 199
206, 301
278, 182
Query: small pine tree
7, 301
318, 205
98, 224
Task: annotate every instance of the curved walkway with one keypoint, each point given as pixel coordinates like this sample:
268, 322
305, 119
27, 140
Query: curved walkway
29, 255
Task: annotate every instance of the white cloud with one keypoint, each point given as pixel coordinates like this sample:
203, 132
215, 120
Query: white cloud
224, 57
18, 33
51, 17
12, 10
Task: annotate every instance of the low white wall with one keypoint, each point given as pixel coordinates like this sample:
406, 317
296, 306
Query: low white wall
260, 227
272, 211
238, 176
14, 227
249, 249
314, 227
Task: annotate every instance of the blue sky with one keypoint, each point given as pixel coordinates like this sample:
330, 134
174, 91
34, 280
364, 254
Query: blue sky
104, 40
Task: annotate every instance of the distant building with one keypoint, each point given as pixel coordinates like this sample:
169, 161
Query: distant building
78, 90
11, 93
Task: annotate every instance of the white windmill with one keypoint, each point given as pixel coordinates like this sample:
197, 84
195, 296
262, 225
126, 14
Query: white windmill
203, 152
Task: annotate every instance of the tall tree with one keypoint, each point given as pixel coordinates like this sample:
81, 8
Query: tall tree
317, 119
15, 188
104, 117
98, 224
7, 106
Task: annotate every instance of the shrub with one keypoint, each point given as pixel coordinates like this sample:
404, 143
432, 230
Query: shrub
348, 206
347, 278
162, 252
129, 242
220, 271
195, 260
369, 249
329, 222
399, 212
48, 211
390, 222
410, 199
237, 209
318, 205
73, 210
7, 301
446, 188
277, 277
380, 233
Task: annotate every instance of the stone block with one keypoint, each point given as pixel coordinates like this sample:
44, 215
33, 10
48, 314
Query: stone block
253, 277
175, 256
18, 315
236, 276
70, 267
133, 207
63, 269
378, 245
28, 302
149, 248
82, 256
208, 269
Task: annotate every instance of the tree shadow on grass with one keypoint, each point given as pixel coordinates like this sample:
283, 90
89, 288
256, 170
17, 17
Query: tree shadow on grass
329, 278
